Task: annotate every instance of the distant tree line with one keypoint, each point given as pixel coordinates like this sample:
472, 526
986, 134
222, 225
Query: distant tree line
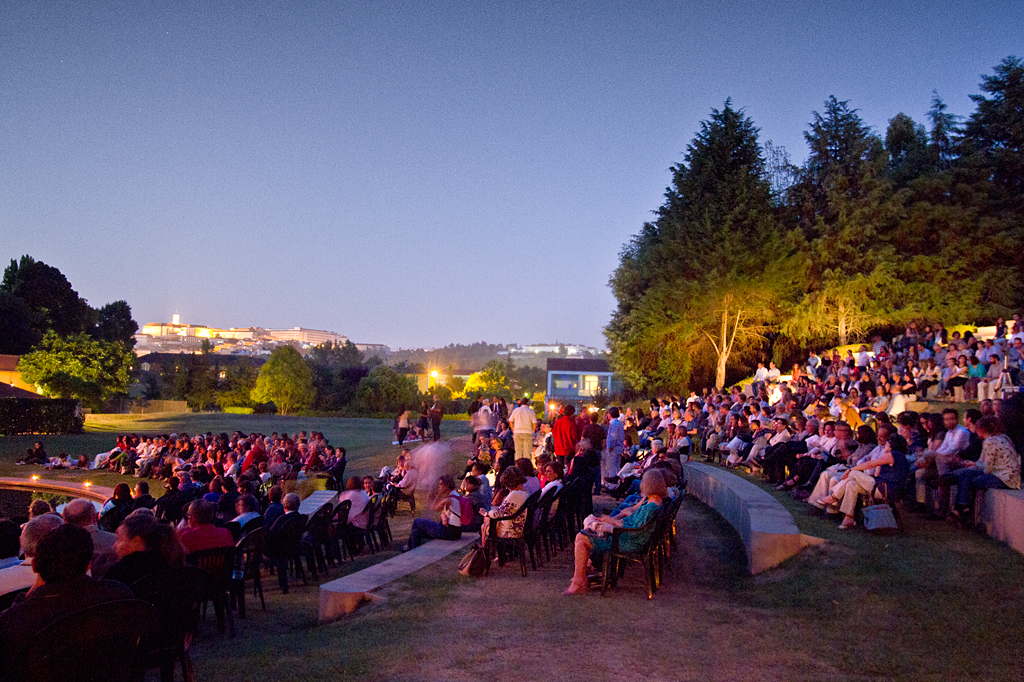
750, 257
456, 355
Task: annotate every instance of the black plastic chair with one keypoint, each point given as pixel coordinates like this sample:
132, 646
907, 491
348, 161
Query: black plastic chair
495, 545
316, 541
383, 528
283, 548
250, 554
616, 558
219, 564
337, 527
569, 515
176, 593
544, 521
104, 647
371, 532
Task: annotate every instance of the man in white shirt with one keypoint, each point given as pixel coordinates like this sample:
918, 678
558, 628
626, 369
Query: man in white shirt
813, 361
863, 359
760, 378
943, 459
523, 421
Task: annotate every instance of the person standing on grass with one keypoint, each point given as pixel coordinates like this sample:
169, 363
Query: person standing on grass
611, 459
565, 433
524, 422
436, 413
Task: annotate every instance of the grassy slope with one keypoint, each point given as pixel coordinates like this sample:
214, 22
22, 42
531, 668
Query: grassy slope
367, 441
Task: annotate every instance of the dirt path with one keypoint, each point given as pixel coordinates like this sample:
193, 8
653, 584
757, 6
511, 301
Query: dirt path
507, 626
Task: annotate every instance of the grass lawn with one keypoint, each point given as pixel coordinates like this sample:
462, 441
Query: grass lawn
367, 441
936, 603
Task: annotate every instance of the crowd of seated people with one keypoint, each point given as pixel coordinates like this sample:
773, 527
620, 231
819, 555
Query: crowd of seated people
840, 425
206, 456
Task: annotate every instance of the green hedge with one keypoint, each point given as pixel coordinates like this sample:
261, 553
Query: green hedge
238, 410
39, 415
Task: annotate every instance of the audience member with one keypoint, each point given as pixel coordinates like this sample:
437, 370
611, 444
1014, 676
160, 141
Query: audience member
61, 560
201, 533
82, 513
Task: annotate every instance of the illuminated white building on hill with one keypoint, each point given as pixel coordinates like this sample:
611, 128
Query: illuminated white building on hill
176, 337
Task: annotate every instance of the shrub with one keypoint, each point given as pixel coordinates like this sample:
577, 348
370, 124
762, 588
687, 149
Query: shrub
38, 415
239, 410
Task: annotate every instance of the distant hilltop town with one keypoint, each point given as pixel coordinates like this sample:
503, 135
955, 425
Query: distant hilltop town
178, 337
563, 349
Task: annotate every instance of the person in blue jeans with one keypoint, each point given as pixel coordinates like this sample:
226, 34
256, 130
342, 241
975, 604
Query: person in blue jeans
998, 467
450, 526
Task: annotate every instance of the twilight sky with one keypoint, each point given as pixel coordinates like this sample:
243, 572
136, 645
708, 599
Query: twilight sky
415, 173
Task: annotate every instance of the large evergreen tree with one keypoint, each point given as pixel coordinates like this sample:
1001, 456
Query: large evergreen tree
995, 132
696, 286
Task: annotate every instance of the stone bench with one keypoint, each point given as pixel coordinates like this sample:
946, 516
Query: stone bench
1001, 514
767, 529
344, 595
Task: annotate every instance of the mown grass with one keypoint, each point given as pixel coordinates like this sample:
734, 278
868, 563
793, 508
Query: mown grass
934, 603
366, 441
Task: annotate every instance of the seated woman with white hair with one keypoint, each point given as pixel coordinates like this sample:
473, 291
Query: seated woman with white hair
653, 492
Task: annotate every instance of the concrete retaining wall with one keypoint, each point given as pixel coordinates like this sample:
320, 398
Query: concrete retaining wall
765, 526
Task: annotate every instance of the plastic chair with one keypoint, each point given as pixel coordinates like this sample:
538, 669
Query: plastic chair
542, 524
517, 545
336, 529
176, 593
615, 559
104, 649
316, 540
250, 551
283, 547
382, 529
219, 564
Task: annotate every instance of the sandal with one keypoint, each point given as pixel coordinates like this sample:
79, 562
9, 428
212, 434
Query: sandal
847, 523
577, 587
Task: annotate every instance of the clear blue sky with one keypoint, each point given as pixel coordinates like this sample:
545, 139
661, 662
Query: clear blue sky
415, 173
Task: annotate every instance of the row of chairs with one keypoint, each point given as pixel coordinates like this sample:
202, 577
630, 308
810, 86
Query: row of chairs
653, 555
554, 531
542, 530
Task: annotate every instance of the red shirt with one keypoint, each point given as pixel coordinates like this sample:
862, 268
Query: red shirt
565, 433
205, 536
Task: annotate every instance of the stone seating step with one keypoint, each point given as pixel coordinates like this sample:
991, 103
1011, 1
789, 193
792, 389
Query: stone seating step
767, 529
344, 595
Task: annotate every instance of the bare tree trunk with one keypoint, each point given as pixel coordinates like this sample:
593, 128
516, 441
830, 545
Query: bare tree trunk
723, 351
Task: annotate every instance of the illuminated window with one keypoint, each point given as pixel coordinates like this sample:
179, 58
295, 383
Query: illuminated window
565, 381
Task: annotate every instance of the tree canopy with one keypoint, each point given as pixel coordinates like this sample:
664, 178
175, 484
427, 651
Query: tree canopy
750, 258
285, 380
78, 366
36, 298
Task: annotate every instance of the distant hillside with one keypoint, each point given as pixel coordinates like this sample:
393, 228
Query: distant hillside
472, 357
